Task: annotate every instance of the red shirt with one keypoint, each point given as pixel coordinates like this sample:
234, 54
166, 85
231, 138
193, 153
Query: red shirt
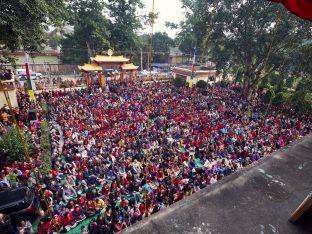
82, 201
68, 220
44, 228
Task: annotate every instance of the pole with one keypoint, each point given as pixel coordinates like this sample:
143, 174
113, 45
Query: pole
141, 60
148, 61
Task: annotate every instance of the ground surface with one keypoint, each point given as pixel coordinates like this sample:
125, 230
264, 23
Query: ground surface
258, 199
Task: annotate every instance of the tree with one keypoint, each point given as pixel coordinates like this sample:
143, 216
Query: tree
11, 147
91, 31
257, 35
179, 81
302, 97
24, 22
124, 23
161, 44
55, 39
6, 59
201, 84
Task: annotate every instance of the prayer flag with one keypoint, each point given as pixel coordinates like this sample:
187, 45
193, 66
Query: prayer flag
29, 83
301, 8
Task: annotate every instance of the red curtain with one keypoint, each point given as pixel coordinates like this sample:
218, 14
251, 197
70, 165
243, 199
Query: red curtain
301, 8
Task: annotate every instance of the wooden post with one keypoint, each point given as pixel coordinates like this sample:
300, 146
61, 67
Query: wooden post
304, 206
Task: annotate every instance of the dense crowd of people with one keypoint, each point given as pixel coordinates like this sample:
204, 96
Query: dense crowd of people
113, 163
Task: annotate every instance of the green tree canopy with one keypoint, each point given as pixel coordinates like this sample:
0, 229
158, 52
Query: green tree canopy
124, 24
201, 84
179, 81
161, 44
11, 147
91, 31
259, 36
24, 22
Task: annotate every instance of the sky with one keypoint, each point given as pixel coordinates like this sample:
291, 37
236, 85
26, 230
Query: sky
169, 10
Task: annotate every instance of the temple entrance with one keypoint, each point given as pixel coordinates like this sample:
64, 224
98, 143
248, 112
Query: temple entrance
109, 67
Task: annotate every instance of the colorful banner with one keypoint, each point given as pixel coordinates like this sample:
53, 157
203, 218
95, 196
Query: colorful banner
103, 82
29, 83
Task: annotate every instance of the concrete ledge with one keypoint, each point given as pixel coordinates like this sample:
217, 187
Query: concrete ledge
258, 199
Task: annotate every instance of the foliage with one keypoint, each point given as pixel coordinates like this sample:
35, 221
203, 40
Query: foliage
11, 177
10, 146
268, 95
161, 44
201, 84
91, 31
55, 39
45, 109
179, 81
280, 98
259, 36
24, 22
124, 23
6, 59
46, 148
302, 97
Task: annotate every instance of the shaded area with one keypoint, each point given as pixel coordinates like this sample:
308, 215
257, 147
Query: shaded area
258, 199
13, 201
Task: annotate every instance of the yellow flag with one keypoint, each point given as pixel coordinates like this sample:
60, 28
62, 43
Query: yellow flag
31, 95
191, 83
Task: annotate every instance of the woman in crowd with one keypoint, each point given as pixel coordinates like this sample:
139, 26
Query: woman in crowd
110, 168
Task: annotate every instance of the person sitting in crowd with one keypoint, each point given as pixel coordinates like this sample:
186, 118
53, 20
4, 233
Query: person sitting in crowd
68, 192
99, 149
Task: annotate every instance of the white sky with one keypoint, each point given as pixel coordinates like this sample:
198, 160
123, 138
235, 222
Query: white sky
169, 10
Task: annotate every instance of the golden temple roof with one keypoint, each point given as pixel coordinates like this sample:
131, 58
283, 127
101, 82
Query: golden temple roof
108, 59
129, 66
90, 67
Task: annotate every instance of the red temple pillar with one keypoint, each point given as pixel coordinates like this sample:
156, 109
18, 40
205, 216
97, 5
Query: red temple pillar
121, 77
88, 82
131, 77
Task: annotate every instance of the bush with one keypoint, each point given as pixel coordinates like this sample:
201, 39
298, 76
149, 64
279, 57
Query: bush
302, 101
179, 81
268, 95
46, 148
201, 84
279, 99
10, 146
44, 108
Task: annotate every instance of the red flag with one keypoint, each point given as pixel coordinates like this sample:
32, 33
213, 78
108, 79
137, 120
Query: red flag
301, 8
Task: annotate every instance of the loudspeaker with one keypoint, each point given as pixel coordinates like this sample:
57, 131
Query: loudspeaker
32, 116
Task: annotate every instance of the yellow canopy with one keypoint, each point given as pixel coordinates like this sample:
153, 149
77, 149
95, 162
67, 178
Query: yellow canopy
129, 66
108, 59
90, 67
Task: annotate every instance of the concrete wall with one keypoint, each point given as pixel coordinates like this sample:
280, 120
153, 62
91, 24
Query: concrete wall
54, 69
40, 59
13, 99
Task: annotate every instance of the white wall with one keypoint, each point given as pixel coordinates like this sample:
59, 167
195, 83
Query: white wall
13, 99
